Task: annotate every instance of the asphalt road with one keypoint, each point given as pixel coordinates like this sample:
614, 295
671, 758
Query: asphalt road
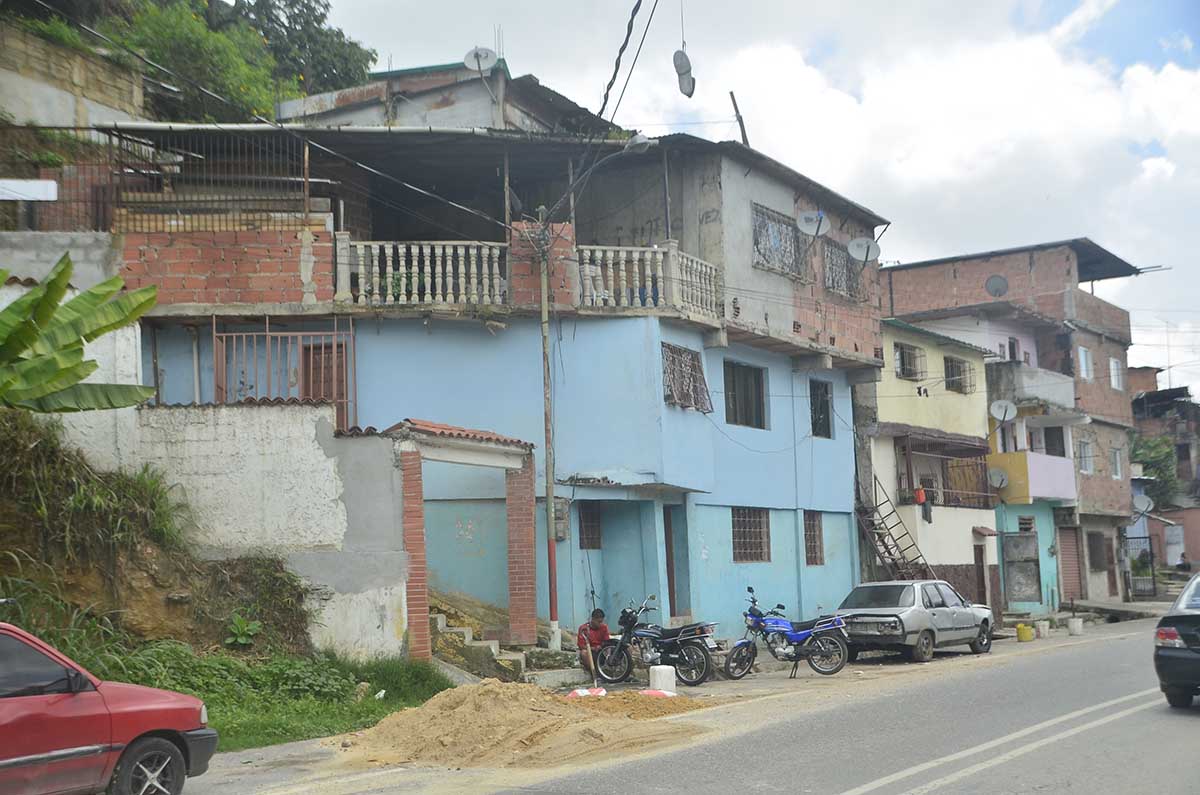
1067, 715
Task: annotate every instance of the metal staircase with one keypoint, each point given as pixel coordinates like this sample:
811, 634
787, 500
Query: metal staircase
883, 530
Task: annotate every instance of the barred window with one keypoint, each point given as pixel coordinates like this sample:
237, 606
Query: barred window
814, 539
841, 273
777, 243
751, 535
910, 361
683, 379
745, 395
960, 375
1026, 524
821, 405
589, 525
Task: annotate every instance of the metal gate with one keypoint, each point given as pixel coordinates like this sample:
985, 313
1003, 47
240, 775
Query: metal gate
1022, 567
1070, 567
1139, 552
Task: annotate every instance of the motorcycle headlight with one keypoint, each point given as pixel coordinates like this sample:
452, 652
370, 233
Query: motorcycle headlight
749, 621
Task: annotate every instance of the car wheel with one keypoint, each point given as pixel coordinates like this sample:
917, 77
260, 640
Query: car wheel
922, 651
1177, 698
150, 765
983, 642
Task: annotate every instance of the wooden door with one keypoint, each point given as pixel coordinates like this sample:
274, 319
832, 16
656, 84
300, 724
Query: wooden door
1070, 568
980, 574
324, 376
1110, 562
670, 553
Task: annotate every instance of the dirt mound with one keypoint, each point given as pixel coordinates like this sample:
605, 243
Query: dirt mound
631, 704
504, 724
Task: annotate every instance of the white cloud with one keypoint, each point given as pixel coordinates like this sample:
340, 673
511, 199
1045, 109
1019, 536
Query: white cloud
1080, 21
1178, 41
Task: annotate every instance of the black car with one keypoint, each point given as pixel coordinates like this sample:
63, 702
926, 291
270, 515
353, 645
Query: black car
1177, 648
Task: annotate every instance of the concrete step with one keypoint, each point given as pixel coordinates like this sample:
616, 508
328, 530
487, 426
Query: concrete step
558, 678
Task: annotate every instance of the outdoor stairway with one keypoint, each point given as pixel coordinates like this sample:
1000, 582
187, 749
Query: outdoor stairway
883, 530
481, 657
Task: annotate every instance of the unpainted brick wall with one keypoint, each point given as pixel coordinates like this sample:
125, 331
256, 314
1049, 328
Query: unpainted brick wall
524, 266
520, 505
1097, 397
1100, 492
227, 267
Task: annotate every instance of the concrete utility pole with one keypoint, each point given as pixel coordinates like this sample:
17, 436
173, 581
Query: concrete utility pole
543, 245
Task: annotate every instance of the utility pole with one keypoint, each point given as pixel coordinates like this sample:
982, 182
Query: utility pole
543, 245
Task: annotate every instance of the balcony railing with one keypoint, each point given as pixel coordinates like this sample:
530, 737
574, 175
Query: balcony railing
1019, 381
650, 277
425, 273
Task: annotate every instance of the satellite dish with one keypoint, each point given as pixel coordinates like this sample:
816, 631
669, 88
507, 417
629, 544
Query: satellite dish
1003, 410
481, 59
996, 285
683, 68
863, 249
814, 223
1142, 504
997, 478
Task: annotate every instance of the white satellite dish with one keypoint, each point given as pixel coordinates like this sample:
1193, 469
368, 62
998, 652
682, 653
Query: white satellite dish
481, 59
814, 223
1142, 504
863, 250
997, 478
1003, 410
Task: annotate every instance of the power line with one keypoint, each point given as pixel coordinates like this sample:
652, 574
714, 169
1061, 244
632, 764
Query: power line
636, 55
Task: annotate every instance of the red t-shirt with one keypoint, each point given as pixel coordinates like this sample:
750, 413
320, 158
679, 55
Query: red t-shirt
594, 637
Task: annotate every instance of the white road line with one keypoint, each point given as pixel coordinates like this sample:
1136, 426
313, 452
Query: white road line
1037, 745
1008, 738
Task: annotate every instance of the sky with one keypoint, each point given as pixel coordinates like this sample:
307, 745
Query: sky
970, 126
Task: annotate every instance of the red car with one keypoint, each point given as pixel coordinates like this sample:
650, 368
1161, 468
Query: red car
62, 730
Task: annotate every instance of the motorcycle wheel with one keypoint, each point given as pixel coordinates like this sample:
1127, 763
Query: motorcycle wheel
694, 664
739, 661
828, 654
613, 663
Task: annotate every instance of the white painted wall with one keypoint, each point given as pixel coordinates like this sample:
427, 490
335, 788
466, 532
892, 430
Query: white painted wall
990, 333
256, 476
361, 625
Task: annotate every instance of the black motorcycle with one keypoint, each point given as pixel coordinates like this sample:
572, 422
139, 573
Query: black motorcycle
686, 648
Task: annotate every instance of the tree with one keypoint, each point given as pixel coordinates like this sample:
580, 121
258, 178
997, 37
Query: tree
1156, 454
42, 365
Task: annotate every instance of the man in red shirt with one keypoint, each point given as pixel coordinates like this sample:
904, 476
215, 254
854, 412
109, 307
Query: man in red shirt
591, 635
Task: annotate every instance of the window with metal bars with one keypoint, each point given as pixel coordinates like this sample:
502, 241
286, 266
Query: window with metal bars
751, 535
683, 379
745, 395
1026, 524
909, 361
814, 539
820, 397
777, 243
590, 525
960, 375
842, 274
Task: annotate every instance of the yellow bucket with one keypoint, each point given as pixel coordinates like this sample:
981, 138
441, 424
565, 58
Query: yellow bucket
1024, 633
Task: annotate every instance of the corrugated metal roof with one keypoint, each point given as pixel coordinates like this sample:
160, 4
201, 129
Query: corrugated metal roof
1095, 261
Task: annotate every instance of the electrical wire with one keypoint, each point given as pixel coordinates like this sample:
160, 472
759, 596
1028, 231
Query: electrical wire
633, 65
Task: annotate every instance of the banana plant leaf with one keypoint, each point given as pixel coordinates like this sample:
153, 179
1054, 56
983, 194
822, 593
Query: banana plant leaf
89, 397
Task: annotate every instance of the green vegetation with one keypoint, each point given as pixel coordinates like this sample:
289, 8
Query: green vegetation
1157, 455
42, 365
57, 30
242, 630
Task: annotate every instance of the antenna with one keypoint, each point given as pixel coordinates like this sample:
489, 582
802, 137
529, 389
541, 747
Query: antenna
863, 250
814, 223
997, 478
481, 59
1003, 410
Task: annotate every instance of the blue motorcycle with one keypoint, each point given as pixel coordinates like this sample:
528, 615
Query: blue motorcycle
822, 641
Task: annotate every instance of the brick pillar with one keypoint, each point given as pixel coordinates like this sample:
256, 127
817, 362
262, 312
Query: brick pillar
524, 266
521, 505
419, 644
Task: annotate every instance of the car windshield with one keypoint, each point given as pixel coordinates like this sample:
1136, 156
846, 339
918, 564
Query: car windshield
879, 596
1190, 598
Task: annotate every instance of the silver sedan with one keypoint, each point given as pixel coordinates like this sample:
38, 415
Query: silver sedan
915, 617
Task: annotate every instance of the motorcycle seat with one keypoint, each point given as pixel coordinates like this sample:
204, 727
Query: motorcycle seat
667, 634
804, 626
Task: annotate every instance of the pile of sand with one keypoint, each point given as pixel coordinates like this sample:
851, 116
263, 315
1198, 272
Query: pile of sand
505, 724
631, 704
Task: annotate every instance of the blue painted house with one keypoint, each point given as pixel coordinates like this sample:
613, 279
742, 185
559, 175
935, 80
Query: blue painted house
701, 348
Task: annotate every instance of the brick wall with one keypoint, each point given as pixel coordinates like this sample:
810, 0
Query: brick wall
86, 77
1142, 379
1097, 396
230, 267
1099, 314
520, 504
524, 266
1100, 492
1030, 274
413, 528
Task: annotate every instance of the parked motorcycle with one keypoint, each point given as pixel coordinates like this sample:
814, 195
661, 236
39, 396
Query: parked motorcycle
822, 642
686, 647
